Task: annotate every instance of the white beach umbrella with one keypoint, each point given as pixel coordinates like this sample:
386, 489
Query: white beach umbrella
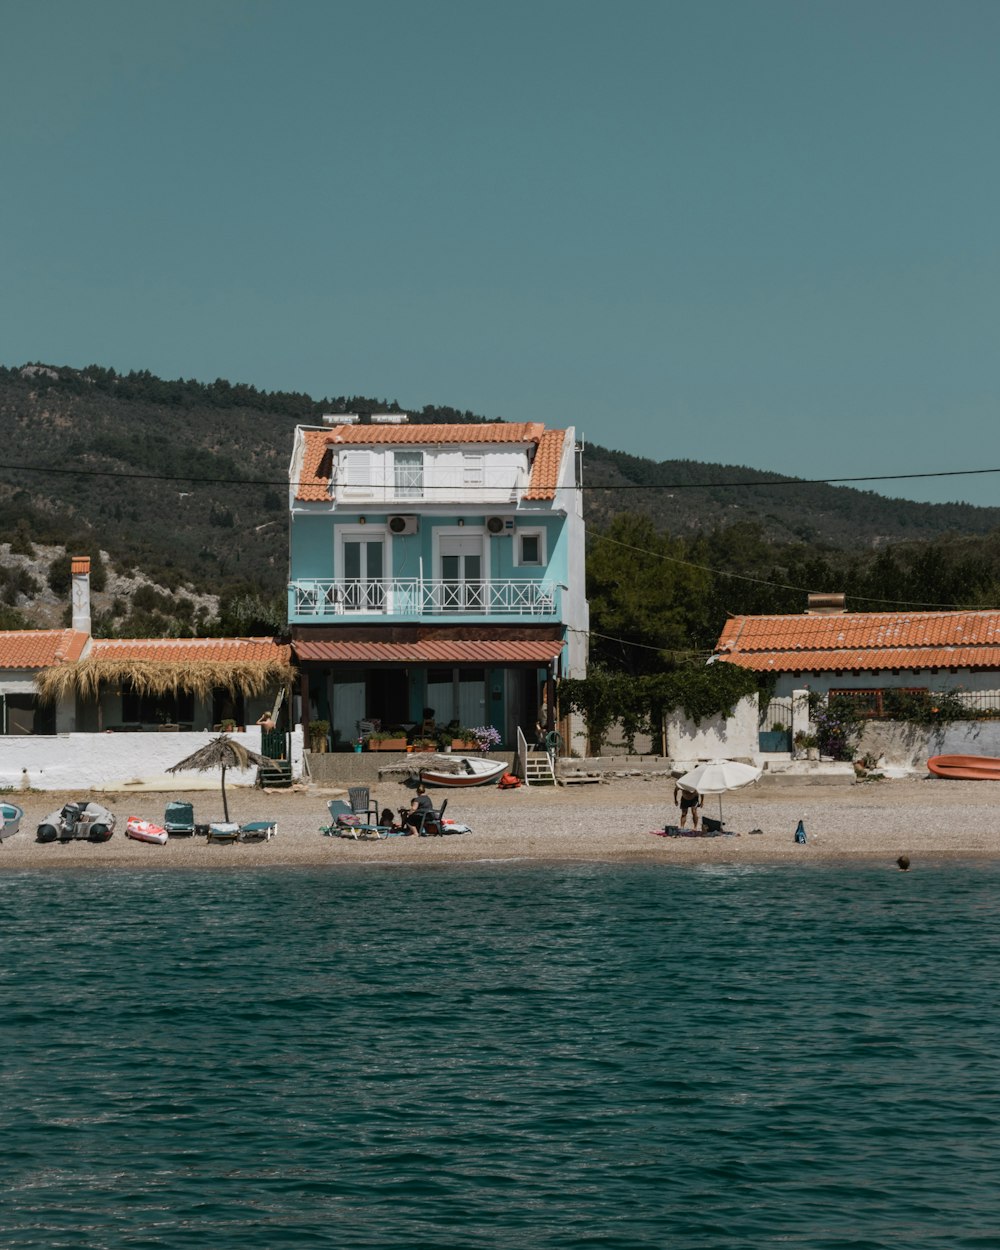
718, 776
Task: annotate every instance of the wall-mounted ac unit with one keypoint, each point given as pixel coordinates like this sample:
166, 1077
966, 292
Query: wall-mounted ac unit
500, 524
403, 524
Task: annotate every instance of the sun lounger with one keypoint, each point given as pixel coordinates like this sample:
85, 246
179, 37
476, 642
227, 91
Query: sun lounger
223, 832
178, 820
258, 831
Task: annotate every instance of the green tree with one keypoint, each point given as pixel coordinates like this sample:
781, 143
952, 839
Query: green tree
643, 596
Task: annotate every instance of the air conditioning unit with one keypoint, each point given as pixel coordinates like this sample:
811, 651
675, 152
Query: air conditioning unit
500, 524
403, 524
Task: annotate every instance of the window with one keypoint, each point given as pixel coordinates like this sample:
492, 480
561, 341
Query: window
408, 470
472, 470
357, 477
530, 547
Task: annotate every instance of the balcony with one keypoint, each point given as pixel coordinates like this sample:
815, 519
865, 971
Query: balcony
321, 599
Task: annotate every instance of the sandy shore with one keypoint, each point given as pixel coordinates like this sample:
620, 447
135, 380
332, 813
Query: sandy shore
926, 819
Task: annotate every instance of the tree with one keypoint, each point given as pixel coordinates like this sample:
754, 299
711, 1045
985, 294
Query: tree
642, 594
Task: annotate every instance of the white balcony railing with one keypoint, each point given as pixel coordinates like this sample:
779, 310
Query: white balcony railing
321, 598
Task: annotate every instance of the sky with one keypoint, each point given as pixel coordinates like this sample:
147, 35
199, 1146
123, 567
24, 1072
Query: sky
756, 232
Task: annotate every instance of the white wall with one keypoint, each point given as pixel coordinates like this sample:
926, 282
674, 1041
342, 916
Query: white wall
718, 737
987, 683
910, 746
84, 761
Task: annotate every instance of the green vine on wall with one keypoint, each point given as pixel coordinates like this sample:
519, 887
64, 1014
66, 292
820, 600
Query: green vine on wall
640, 703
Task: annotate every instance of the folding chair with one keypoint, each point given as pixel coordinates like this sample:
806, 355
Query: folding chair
430, 822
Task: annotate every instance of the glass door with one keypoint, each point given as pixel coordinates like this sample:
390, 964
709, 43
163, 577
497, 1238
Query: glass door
363, 585
462, 586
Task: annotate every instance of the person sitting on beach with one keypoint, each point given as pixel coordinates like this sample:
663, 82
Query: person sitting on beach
412, 820
688, 801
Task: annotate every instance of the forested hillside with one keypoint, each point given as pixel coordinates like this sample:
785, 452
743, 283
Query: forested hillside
184, 483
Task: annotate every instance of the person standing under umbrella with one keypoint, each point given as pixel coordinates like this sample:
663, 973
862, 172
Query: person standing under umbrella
688, 801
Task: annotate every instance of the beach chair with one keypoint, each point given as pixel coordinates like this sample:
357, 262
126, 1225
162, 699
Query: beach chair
258, 831
225, 832
430, 822
362, 804
178, 820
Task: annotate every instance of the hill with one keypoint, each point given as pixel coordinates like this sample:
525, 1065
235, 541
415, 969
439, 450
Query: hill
183, 482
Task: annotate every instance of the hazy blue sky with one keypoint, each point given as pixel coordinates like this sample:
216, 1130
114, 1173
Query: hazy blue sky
763, 232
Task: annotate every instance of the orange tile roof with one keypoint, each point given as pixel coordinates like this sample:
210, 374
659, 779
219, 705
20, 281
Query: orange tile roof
867, 661
432, 651
380, 435
863, 640
545, 467
79, 564
314, 479
192, 650
40, 648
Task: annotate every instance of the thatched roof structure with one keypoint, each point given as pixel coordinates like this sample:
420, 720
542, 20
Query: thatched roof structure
191, 674
222, 752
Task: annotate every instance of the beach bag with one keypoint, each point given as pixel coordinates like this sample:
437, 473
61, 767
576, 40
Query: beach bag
508, 782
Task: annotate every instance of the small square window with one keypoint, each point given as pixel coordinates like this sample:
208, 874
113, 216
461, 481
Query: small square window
531, 549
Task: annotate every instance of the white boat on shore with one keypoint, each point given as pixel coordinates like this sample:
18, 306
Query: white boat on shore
443, 768
10, 819
469, 770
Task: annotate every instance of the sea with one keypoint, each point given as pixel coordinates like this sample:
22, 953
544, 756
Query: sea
502, 1055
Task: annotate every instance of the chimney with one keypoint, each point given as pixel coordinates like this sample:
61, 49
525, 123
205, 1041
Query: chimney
826, 605
80, 573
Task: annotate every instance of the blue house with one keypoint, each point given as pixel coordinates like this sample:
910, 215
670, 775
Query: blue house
435, 566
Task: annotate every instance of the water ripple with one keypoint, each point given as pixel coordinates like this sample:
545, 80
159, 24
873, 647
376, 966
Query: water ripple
484, 1057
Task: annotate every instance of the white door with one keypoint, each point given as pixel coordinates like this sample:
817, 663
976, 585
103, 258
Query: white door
463, 588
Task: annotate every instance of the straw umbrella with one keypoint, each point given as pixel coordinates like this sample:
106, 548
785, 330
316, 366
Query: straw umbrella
222, 752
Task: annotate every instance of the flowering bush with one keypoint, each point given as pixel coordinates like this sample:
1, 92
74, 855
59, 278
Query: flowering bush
487, 738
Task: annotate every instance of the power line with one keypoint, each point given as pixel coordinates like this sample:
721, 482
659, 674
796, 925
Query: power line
761, 581
590, 487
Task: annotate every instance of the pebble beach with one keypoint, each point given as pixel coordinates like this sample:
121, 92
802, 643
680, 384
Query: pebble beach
925, 819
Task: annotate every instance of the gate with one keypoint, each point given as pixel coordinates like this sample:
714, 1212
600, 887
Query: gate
775, 731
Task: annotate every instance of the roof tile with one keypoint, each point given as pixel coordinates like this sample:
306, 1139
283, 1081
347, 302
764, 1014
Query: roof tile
861, 629
192, 650
40, 648
866, 661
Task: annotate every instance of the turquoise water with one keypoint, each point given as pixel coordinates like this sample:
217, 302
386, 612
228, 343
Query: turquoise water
615, 1056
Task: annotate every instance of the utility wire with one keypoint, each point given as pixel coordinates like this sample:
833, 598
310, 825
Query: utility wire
761, 581
79, 471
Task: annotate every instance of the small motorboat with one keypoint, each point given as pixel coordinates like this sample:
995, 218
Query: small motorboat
87, 821
463, 770
965, 767
10, 819
145, 831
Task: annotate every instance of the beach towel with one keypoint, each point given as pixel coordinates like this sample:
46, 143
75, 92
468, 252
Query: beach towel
675, 831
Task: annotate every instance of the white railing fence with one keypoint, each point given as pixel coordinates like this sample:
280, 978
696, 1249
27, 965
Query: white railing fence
321, 597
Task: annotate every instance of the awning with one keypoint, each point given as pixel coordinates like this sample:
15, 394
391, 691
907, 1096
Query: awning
537, 652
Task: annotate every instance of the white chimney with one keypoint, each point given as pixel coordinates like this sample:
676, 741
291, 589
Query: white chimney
80, 573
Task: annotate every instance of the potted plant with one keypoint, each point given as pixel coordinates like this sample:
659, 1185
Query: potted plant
463, 739
807, 744
387, 740
318, 730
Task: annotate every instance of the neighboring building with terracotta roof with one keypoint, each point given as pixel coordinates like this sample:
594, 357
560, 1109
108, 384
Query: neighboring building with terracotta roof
868, 651
24, 653
435, 565
64, 681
